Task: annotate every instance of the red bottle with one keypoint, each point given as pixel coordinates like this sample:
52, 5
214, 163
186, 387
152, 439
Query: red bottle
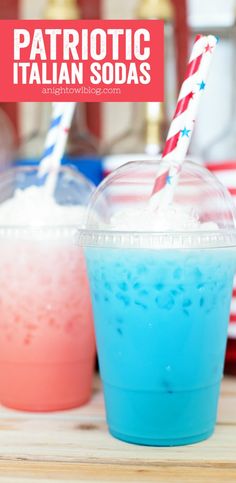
230, 361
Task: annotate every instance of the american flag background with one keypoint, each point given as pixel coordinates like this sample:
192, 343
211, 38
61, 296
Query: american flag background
226, 173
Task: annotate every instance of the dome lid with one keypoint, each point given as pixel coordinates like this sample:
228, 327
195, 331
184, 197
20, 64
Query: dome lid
202, 214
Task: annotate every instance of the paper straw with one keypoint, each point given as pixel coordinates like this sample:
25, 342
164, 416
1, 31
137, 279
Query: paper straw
62, 114
181, 129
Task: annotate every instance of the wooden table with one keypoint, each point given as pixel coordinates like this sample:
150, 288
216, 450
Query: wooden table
74, 446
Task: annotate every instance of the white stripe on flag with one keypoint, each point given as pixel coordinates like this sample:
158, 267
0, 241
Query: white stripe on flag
227, 177
232, 331
233, 305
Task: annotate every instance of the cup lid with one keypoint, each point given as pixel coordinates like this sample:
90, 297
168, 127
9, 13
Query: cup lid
27, 204
201, 215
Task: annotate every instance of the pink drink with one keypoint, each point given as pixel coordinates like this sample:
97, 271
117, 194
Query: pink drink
47, 346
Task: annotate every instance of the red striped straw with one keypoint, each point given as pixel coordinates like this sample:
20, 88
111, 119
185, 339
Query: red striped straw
182, 125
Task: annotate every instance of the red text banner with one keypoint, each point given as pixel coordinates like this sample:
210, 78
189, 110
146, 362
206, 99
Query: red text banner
81, 61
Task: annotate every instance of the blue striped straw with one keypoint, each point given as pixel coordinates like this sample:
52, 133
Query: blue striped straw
55, 144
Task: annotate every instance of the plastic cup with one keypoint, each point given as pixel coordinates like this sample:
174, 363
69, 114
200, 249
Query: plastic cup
47, 347
161, 304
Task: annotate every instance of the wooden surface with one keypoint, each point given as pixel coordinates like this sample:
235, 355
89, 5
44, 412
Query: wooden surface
74, 446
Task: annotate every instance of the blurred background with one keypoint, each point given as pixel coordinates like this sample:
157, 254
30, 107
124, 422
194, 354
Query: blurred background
104, 135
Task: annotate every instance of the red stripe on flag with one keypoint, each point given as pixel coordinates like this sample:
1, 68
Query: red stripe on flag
171, 144
227, 165
233, 318
232, 191
123, 198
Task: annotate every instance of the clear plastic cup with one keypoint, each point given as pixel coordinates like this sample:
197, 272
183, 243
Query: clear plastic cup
161, 303
47, 346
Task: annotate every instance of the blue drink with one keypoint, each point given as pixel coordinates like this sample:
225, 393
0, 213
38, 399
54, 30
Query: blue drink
161, 320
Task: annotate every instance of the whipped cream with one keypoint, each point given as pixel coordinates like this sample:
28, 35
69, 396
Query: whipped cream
35, 207
172, 218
